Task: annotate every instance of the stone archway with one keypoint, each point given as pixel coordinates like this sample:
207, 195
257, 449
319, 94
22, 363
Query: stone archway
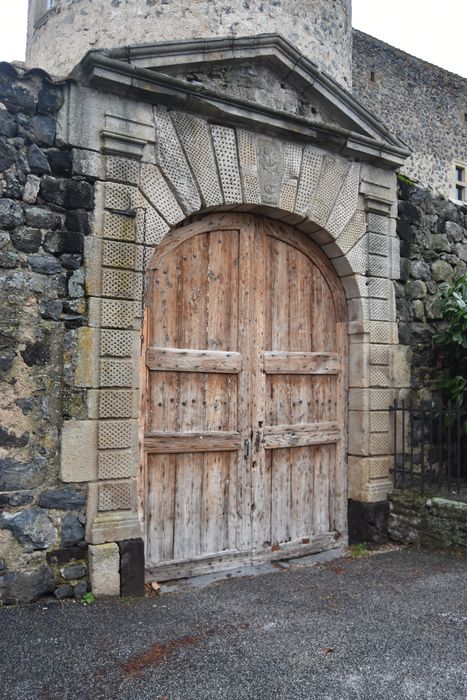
345, 207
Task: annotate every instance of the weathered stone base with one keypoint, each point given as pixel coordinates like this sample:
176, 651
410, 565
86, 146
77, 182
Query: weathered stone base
104, 568
132, 567
426, 520
368, 522
117, 568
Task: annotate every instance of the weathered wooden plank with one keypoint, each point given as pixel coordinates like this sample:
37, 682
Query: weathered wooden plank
163, 389
280, 496
260, 459
192, 321
243, 495
298, 428
301, 363
300, 329
188, 506
222, 286
174, 443
215, 501
184, 360
321, 489
324, 337
301, 489
223, 561
301, 439
222, 329
160, 507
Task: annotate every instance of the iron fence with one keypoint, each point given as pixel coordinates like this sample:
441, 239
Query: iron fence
430, 446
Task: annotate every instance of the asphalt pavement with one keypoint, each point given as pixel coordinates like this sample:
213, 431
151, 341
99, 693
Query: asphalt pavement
392, 626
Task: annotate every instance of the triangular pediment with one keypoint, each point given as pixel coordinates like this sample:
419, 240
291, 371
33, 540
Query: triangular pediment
259, 82
262, 81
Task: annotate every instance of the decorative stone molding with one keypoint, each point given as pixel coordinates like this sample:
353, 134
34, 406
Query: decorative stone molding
164, 165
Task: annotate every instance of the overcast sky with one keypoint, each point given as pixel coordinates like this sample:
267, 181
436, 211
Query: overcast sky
434, 30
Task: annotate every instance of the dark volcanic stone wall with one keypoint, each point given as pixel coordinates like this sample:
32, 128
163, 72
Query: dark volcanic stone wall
43, 219
433, 235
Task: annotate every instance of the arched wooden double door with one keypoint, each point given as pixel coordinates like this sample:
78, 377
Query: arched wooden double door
244, 401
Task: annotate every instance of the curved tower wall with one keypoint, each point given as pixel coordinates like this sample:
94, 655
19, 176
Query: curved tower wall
59, 37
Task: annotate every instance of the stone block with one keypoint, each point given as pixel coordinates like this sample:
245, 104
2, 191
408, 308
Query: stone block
380, 467
378, 181
368, 522
87, 163
334, 172
359, 430
358, 476
173, 163
117, 434
355, 286
359, 399
346, 202
32, 528
19, 587
116, 495
290, 176
380, 354
382, 309
119, 284
383, 332
66, 555
113, 403
359, 365
355, 262
73, 571
132, 567
359, 309
400, 366
248, 166
62, 499
79, 451
72, 531
113, 527
118, 373
381, 399
376, 490
122, 169
118, 343
118, 464
225, 148
380, 444
379, 377
196, 141
122, 255
104, 569
380, 421
114, 313
87, 360
118, 227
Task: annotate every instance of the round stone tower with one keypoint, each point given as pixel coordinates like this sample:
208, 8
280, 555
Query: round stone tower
60, 32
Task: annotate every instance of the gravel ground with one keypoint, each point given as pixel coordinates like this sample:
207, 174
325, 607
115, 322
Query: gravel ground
392, 625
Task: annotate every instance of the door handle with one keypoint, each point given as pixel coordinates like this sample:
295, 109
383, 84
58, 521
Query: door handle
246, 448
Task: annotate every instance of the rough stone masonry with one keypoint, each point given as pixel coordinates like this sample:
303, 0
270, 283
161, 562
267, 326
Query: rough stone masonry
43, 220
433, 235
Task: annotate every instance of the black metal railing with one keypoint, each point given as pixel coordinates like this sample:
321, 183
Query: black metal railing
430, 446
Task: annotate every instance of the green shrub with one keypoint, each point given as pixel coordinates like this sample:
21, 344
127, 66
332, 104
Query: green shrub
451, 340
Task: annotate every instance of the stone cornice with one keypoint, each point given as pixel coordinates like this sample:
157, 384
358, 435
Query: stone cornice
120, 72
